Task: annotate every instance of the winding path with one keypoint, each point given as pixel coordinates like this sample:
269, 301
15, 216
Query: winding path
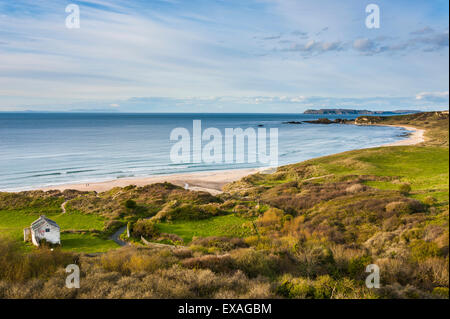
63, 207
116, 236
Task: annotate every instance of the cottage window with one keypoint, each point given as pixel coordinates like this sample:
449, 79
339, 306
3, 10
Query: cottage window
47, 230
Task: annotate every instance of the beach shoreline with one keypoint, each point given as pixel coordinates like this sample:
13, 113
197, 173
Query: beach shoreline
416, 137
208, 181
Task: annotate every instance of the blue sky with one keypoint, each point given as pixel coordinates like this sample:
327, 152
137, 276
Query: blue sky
223, 56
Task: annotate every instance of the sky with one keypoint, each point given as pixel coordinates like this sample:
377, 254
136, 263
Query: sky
280, 56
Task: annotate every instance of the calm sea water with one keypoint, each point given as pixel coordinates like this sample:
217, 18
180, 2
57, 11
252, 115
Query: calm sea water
42, 149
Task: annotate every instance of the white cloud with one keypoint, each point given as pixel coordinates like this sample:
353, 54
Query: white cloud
433, 96
297, 99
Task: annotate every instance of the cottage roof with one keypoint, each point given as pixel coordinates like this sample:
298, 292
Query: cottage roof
41, 220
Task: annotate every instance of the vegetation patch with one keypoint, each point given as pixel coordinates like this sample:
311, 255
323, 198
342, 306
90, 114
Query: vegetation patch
228, 225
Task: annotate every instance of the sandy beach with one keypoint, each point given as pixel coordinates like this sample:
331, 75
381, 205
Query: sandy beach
416, 137
209, 181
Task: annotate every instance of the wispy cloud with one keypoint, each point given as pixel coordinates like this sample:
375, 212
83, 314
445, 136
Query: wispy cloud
280, 53
433, 96
425, 30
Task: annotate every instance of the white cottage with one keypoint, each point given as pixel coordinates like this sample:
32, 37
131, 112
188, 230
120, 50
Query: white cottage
42, 228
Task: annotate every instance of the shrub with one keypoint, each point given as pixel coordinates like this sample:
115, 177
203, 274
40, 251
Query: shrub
130, 204
397, 291
271, 218
297, 288
184, 211
429, 200
405, 188
222, 243
16, 265
145, 228
314, 259
404, 207
357, 266
324, 287
254, 263
432, 271
131, 260
421, 250
441, 292
355, 188
173, 239
395, 270
215, 263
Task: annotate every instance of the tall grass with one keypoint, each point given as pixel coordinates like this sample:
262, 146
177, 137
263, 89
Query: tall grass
18, 266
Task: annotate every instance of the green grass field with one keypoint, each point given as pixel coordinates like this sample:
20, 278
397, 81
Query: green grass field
228, 225
86, 243
410, 162
13, 222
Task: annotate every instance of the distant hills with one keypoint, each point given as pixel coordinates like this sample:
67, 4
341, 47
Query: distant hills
361, 112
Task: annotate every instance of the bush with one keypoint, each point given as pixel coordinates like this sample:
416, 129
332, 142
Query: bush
397, 291
16, 265
355, 188
323, 287
421, 250
297, 288
131, 260
272, 218
222, 243
404, 207
429, 201
405, 188
431, 272
255, 263
130, 204
357, 266
176, 211
215, 263
441, 292
145, 228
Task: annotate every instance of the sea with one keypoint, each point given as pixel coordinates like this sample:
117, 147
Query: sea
47, 149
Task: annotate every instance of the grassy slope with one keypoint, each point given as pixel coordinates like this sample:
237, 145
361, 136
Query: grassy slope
228, 225
404, 164
425, 166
